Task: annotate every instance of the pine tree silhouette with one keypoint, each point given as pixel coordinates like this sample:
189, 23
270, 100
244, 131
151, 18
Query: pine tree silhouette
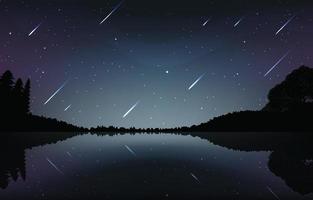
26, 97
6, 86
15, 112
17, 99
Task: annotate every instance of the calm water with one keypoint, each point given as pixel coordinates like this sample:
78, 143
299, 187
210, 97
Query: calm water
146, 166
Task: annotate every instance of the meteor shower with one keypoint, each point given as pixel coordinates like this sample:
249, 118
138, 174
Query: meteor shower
133, 99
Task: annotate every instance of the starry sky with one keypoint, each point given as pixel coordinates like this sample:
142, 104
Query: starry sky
152, 63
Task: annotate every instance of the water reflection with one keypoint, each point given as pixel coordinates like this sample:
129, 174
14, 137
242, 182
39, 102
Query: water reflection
12, 152
205, 165
291, 157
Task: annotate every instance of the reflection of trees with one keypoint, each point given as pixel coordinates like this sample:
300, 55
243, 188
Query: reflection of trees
291, 158
247, 141
12, 166
295, 169
12, 152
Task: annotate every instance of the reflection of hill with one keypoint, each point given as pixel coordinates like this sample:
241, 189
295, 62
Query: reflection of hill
12, 152
296, 169
291, 157
249, 141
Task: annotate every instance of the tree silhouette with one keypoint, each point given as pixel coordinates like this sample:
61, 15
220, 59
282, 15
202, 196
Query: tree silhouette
17, 98
6, 86
6, 81
15, 109
294, 93
26, 96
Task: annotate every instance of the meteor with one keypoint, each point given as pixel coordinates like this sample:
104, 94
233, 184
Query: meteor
196, 81
285, 24
33, 31
236, 24
53, 165
116, 7
69, 154
131, 109
130, 150
271, 191
56, 92
67, 107
277, 63
193, 176
206, 22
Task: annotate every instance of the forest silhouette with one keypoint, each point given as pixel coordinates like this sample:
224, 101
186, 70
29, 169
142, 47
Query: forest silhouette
288, 109
15, 112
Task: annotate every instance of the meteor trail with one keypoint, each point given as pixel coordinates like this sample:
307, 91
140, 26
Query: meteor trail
277, 63
33, 31
206, 22
130, 150
196, 81
193, 176
67, 107
236, 24
116, 7
53, 165
285, 24
271, 191
69, 154
56, 92
130, 109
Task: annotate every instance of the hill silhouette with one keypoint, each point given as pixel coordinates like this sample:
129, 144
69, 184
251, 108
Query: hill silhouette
289, 109
15, 109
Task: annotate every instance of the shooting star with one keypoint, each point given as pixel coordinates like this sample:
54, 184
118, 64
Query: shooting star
67, 107
277, 63
34, 30
53, 165
271, 191
131, 109
206, 22
69, 154
196, 81
130, 150
116, 7
285, 24
236, 24
56, 92
193, 176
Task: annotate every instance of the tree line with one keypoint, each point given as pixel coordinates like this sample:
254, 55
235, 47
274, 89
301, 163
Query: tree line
14, 97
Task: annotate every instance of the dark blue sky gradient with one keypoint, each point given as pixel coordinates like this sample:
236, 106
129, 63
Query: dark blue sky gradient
152, 51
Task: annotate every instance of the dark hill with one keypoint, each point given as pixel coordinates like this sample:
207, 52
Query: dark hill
289, 108
258, 121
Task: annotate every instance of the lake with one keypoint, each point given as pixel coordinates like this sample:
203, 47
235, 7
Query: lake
156, 166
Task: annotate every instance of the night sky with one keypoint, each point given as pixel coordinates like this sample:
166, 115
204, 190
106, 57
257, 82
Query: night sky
169, 63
